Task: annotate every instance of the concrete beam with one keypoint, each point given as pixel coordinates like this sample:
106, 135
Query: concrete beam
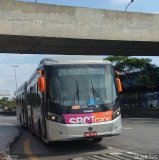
51, 29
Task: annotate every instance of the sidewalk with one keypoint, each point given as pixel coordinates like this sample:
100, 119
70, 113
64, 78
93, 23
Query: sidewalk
8, 133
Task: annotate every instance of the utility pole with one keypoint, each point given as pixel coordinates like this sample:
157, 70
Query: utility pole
128, 5
15, 76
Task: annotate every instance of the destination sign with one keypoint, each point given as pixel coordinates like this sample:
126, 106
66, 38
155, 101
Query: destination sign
81, 71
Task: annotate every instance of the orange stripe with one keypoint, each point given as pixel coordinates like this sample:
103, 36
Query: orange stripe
28, 151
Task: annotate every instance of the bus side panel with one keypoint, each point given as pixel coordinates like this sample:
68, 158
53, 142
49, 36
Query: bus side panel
20, 106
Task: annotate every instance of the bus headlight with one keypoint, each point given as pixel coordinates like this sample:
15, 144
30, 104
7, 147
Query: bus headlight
56, 118
116, 113
53, 118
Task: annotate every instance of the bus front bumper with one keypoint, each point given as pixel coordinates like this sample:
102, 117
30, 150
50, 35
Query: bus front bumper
64, 132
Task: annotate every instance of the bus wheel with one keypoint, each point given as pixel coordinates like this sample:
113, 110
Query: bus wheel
20, 119
97, 139
40, 133
30, 126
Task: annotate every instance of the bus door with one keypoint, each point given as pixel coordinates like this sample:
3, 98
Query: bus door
42, 94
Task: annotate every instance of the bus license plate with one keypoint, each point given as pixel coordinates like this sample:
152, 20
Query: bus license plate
90, 134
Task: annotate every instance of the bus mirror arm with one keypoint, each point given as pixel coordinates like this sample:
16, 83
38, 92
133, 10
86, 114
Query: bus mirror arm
41, 84
118, 85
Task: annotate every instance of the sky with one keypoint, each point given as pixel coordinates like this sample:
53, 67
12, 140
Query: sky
28, 63
148, 6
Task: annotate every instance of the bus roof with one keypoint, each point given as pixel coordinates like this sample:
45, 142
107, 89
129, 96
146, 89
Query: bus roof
50, 61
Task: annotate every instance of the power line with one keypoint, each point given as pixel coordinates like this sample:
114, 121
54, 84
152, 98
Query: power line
129, 5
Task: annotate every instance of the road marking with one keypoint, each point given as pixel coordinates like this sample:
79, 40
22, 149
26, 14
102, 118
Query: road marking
113, 153
131, 153
8, 124
110, 148
28, 151
108, 156
126, 128
78, 158
5, 124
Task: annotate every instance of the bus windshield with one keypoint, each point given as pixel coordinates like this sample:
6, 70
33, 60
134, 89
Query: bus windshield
80, 88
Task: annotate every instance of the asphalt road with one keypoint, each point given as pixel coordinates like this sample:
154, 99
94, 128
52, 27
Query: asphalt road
8, 120
139, 136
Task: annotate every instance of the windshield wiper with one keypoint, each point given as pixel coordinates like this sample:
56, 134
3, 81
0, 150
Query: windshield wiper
93, 90
77, 90
96, 95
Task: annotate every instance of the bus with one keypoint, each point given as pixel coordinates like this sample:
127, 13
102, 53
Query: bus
152, 100
70, 101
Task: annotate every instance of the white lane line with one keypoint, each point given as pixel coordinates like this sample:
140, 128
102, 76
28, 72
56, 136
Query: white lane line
5, 124
126, 128
8, 124
118, 156
78, 158
110, 148
115, 153
129, 156
131, 153
124, 155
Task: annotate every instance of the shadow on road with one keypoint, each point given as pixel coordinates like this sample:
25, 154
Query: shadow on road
74, 147
55, 149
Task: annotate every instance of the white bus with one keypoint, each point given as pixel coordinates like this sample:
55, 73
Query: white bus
71, 101
153, 100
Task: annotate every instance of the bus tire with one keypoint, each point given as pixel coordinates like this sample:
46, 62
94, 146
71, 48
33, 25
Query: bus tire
40, 133
99, 139
30, 126
20, 119
29, 123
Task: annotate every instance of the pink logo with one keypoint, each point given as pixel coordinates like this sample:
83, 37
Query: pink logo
78, 118
88, 117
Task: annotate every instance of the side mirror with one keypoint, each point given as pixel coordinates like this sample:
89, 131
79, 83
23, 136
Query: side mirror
118, 85
41, 84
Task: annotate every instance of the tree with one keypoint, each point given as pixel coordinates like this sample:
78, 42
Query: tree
140, 75
7, 105
130, 64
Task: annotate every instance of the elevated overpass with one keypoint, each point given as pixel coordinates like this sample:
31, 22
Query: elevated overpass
51, 29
